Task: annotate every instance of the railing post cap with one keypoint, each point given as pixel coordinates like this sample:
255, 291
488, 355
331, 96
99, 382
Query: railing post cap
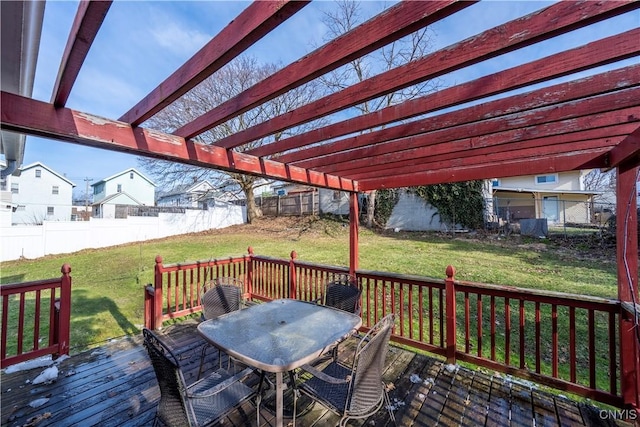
158, 259
450, 271
65, 269
294, 255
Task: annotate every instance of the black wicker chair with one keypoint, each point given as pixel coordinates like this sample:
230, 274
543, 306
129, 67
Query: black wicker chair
219, 297
355, 390
342, 294
202, 403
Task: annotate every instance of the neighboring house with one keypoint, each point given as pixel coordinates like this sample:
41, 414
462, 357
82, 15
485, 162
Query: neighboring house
40, 194
199, 195
126, 188
558, 197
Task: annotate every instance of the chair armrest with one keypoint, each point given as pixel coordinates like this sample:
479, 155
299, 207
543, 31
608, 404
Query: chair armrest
325, 377
219, 386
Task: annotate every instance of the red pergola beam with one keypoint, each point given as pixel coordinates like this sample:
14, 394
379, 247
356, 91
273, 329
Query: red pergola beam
392, 24
627, 152
603, 111
531, 166
503, 146
545, 24
524, 110
32, 117
86, 24
591, 55
256, 21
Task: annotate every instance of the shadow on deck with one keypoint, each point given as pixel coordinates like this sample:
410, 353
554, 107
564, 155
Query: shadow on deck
114, 385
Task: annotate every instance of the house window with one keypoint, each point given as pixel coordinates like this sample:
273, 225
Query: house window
14, 188
336, 195
546, 179
49, 210
55, 190
119, 188
38, 173
130, 175
495, 183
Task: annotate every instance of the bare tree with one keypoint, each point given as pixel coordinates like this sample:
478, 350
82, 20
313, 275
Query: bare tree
231, 80
347, 15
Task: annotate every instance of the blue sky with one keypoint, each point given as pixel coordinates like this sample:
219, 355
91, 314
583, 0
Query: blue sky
142, 43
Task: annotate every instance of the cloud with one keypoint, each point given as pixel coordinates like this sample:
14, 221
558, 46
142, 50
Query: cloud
178, 39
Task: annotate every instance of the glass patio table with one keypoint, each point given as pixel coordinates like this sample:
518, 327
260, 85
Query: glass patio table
279, 336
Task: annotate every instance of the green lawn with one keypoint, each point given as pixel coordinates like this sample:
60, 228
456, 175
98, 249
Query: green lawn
108, 283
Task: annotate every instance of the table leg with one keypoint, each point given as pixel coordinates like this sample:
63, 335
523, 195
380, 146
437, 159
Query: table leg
279, 399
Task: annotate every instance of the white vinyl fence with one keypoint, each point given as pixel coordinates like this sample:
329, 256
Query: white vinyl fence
56, 237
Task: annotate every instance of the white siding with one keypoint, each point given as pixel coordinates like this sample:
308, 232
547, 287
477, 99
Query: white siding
35, 197
133, 184
566, 181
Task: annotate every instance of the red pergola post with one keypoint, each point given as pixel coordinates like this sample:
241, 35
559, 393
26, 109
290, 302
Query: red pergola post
157, 297
353, 233
627, 265
63, 327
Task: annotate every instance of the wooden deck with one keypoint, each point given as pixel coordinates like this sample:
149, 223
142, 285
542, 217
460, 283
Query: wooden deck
114, 385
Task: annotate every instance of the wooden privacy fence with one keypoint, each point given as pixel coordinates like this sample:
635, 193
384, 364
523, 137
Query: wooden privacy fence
33, 312
293, 204
569, 342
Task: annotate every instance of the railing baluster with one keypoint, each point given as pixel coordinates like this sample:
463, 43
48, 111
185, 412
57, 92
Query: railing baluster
538, 326
613, 378
479, 317
410, 308
554, 340
467, 338
492, 303
592, 349
420, 314
507, 331
36, 322
572, 344
522, 322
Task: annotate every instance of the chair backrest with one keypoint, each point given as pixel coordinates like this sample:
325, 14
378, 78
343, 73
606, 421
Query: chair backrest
367, 389
221, 299
172, 408
341, 294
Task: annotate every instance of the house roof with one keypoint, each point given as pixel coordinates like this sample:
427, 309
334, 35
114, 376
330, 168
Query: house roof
111, 198
575, 109
124, 172
43, 166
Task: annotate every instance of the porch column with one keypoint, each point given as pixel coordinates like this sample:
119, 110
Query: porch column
353, 233
627, 265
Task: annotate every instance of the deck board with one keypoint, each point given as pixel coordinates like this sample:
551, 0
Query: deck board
114, 385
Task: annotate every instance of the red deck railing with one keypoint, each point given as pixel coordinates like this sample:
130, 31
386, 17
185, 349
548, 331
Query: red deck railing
569, 342
32, 312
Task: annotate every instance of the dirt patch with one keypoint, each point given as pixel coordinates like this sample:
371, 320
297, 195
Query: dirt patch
289, 227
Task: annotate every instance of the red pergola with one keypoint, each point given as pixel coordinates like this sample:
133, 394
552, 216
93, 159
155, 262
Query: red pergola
590, 122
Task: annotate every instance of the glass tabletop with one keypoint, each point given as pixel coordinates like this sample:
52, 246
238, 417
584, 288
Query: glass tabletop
281, 335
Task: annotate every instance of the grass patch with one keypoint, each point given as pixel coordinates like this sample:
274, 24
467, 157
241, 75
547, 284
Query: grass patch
107, 291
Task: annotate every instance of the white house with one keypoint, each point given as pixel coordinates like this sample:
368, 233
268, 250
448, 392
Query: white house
199, 195
126, 188
558, 197
40, 194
